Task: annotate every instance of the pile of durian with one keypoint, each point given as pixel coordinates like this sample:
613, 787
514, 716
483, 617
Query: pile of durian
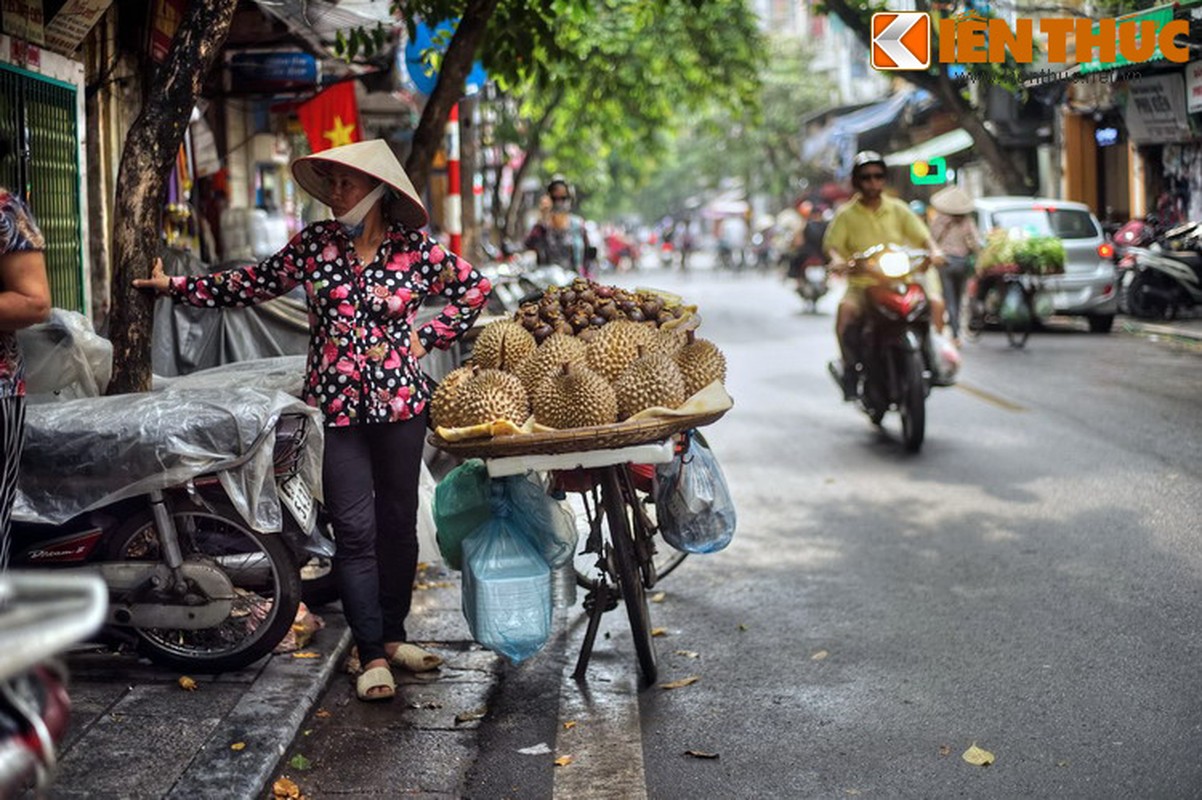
603, 373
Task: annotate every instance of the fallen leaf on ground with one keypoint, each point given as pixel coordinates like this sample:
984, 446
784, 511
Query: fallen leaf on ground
944, 750
658, 597
300, 762
238, 746
285, 788
470, 716
742, 627
851, 792
659, 631
431, 705
187, 684
567, 726
307, 654
978, 757
688, 653
563, 761
539, 749
322, 713
680, 683
1062, 763
821, 654
699, 754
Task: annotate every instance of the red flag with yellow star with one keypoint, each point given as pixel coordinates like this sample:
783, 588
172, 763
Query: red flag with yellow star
331, 118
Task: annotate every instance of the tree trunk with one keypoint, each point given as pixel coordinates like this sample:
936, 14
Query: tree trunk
149, 153
938, 85
533, 149
456, 64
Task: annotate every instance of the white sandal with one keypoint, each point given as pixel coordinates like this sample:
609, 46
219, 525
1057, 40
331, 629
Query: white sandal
413, 658
371, 681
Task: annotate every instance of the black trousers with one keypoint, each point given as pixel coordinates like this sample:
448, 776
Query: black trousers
370, 476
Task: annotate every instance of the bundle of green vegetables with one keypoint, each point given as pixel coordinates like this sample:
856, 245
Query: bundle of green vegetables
1036, 255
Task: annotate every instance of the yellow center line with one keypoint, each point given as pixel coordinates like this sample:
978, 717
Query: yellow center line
991, 398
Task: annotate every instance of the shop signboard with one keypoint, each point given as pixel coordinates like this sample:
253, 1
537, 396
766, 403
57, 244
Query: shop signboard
23, 20
68, 27
1155, 109
270, 71
1193, 86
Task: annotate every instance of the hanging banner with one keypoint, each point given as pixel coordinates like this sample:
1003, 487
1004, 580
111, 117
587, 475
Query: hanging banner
166, 16
23, 20
1193, 86
1155, 110
270, 71
331, 118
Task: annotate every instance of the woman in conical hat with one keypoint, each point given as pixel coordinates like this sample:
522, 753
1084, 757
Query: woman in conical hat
956, 234
366, 273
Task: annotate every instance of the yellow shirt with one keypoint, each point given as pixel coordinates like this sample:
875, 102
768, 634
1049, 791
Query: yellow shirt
856, 227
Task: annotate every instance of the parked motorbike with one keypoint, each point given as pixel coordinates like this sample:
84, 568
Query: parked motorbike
893, 341
40, 617
1166, 276
812, 285
170, 497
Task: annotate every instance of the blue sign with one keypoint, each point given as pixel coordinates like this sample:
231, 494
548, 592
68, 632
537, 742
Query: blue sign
271, 71
425, 77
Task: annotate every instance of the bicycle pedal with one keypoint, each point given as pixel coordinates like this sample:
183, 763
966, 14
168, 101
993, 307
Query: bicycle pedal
611, 601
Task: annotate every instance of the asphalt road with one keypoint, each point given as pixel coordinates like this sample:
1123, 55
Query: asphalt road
1029, 583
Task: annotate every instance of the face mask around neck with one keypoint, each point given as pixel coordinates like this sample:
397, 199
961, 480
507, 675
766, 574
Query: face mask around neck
352, 221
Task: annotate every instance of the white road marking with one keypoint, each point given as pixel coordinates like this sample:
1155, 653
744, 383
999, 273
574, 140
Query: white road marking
605, 740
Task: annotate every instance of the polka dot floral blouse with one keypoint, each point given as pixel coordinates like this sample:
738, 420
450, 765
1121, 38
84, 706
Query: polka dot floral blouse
360, 368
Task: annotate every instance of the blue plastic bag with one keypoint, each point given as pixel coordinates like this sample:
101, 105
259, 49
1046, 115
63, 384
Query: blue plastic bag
461, 506
506, 590
693, 506
463, 503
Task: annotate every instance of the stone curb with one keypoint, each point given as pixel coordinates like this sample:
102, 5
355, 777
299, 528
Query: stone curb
266, 721
1193, 333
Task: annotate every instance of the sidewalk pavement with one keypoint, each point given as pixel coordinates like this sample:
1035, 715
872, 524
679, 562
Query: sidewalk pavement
137, 734
1188, 329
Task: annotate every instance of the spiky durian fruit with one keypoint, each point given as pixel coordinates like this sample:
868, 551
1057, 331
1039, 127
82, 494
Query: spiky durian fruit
701, 363
503, 345
487, 395
574, 397
555, 350
652, 379
616, 346
443, 409
668, 341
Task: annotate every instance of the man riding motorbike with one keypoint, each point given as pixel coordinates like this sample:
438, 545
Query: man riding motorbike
871, 218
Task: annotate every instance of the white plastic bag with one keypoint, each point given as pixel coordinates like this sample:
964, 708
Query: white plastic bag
692, 502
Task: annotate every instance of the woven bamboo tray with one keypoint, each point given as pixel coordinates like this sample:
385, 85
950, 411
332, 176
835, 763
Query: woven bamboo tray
574, 440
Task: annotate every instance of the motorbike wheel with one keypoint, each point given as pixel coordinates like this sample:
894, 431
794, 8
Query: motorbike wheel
266, 580
1144, 300
913, 404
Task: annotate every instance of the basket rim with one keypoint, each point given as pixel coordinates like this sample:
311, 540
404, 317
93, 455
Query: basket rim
596, 437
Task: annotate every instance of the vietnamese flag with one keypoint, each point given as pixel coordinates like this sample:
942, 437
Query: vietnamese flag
331, 119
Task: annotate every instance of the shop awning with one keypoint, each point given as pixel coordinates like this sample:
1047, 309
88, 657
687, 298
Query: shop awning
844, 131
945, 144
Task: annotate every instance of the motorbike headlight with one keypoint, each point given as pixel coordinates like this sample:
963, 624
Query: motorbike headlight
894, 265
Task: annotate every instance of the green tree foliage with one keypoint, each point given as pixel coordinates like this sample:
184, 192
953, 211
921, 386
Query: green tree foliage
757, 144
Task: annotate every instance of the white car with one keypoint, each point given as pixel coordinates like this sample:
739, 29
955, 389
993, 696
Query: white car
1089, 286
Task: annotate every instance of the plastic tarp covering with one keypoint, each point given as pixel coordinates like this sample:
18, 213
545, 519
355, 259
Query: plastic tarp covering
88, 453
188, 338
64, 358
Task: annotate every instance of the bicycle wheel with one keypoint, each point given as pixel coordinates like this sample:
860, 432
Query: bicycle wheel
630, 582
1017, 328
664, 557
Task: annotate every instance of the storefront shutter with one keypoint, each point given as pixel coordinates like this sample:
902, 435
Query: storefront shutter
39, 116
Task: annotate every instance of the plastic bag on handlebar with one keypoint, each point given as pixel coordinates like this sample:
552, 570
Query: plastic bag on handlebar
1014, 306
692, 502
464, 501
506, 592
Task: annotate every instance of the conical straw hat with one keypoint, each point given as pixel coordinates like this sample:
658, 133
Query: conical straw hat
952, 200
375, 158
